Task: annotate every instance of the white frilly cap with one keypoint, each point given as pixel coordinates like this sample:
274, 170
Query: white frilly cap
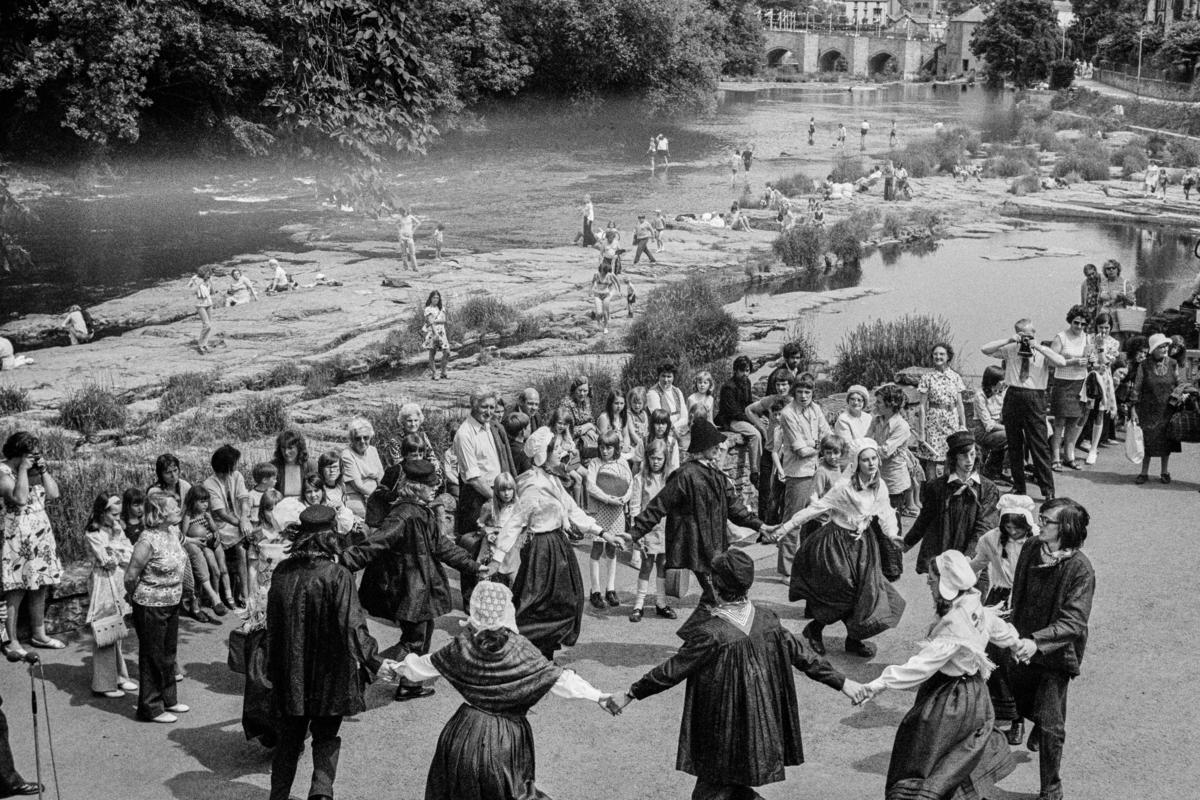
492, 608
538, 444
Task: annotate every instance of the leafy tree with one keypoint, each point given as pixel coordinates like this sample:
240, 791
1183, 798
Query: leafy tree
1096, 19
470, 45
13, 213
1180, 49
1018, 39
1122, 43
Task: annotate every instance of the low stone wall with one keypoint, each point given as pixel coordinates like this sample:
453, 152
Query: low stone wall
66, 603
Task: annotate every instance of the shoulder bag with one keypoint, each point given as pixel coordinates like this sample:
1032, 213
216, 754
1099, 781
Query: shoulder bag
110, 628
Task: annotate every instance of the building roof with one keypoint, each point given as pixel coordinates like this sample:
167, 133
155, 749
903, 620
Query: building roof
975, 14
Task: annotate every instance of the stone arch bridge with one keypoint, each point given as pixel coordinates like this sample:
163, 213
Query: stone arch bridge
850, 52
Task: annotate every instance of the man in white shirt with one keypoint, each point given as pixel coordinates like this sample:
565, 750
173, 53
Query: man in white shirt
664, 150
478, 459
76, 326
665, 395
1024, 412
802, 425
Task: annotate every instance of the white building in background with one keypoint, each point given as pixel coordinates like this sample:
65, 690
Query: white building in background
867, 12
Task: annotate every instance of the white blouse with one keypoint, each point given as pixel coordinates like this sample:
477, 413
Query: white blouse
569, 685
849, 507
988, 554
542, 505
955, 646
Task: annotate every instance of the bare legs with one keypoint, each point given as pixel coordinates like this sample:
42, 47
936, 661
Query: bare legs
1066, 432
433, 353
37, 610
206, 327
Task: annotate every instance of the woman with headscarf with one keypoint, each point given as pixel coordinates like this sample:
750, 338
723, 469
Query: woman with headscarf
738, 732
946, 745
837, 567
485, 751
548, 588
854, 422
1155, 382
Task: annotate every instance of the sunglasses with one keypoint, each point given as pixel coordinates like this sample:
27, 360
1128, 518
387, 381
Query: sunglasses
1044, 521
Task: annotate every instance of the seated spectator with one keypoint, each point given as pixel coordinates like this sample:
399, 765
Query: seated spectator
77, 325
361, 466
731, 412
987, 425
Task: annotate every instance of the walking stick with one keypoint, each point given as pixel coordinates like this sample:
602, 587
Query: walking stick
37, 749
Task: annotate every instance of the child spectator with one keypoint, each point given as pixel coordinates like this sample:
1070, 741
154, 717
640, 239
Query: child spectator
609, 512
133, 510
829, 466
439, 236
204, 550
111, 551
264, 476
492, 517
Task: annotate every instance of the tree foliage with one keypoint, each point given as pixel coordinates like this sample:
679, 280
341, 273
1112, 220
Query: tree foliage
1096, 20
1180, 49
1018, 39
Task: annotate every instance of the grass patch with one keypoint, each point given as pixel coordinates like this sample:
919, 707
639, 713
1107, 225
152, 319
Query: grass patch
1012, 162
845, 240
801, 246
79, 481
875, 351
92, 408
57, 444
795, 185
13, 400
555, 387
684, 323
284, 374
1026, 184
803, 335
893, 223
1131, 158
1184, 153
486, 314
257, 416
847, 169
184, 391
319, 381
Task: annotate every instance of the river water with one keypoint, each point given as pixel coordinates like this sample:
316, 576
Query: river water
516, 176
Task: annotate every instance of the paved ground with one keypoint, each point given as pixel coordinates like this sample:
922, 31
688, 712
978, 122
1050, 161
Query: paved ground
1131, 724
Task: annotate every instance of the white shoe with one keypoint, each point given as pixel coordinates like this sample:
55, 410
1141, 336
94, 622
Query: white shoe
179, 708
165, 718
127, 686
1091, 458
178, 677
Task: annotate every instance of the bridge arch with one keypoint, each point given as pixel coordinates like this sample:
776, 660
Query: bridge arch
780, 57
833, 61
883, 63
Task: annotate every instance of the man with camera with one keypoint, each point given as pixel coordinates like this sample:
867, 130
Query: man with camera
1024, 413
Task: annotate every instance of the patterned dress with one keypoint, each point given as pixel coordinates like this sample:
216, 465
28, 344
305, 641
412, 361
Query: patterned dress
941, 389
435, 330
30, 558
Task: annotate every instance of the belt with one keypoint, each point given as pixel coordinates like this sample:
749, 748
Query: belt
543, 533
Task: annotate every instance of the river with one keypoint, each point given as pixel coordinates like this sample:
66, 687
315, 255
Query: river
515, 176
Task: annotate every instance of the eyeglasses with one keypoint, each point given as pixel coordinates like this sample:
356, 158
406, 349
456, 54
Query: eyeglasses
1080, 322
366, 437
1043, 520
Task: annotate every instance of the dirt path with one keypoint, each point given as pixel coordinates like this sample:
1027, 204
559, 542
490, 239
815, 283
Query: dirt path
1130, 727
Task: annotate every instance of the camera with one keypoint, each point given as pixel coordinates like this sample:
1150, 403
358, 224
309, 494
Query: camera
1025, 349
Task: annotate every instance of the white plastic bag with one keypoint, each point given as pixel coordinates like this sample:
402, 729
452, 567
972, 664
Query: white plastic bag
1135, 446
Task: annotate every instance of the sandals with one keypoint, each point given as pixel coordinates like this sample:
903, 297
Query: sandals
1072, 464
1056, 466
48, 644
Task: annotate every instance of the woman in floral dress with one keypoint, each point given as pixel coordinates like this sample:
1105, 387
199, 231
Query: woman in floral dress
30, 560
435, 333
941, 409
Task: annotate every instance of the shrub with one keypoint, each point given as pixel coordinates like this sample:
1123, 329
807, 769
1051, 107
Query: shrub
1062, 74
13, 400
183, 391
259, 415
486, 314
1131, 158
319, 381
283, 374
875, 351
893, 224
920, 158
1010, 162
1184, 153
845, 241
1087, 157
847, 170
795, 184
92, 408
684, 323
555, 387
1041, 134
926, 219
802, 334
801, 246
1026, 184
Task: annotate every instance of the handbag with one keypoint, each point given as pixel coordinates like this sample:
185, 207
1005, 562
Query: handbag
110, 628
1135, 445
891, 555
1184, 424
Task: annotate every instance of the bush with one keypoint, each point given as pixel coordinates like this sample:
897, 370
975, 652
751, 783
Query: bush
684, 323
319, 381
555, 387
92, 408
920, 158
926, 219
802, 334
1087, 157
801, 246
258, 416
847, 170
795, 184
1184, 153
79, 481
185, 390
1026, 184
845, 241
486, 314
283, 374
1062, 74
1039, 133
875, 351
13, 400
1011, 162
1131, 158
893, 224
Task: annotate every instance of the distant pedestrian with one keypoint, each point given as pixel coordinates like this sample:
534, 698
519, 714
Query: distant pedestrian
436, 341
664, 150
1163, 178
589, 216
812, 129
862, 135
439, 238
735, 162
841, 136
642, 236
201, 287
408, 245
892, 136
747, 157
659, 223
652, 151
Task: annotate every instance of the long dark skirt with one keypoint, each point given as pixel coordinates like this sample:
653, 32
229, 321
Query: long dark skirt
548, 592
838, 573
946, 747
482, 756
999, 682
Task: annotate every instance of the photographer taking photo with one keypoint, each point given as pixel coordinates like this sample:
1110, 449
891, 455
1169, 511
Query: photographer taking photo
1024, 411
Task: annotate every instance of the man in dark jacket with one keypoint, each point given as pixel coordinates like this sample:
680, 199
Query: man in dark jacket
319, 653
404, 580
737, 733
957, 508
697, 501
731, 411
1053, 585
